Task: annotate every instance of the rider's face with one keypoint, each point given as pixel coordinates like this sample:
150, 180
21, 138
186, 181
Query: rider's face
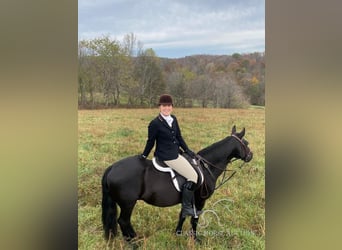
166, 109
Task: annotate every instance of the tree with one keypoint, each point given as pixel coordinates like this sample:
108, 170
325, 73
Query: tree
131, 48
149, 76
87, 75
203, 89
108, 56
229, 94
130, 45
125, 72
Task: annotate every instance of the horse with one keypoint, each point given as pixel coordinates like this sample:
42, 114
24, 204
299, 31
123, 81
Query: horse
132, 179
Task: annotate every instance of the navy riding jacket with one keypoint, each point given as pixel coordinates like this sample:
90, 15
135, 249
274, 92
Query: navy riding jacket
168, 139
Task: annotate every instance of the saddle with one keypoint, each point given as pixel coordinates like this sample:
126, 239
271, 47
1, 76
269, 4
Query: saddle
177, 179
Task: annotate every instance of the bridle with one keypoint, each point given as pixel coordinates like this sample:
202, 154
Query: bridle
244, 147
206, 163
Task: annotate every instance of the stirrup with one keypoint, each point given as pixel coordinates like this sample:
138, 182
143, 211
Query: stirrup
197, 213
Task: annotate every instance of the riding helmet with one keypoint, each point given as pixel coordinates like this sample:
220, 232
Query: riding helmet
165, 99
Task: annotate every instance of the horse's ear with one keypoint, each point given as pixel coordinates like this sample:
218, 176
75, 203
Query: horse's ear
234, 130
242, 133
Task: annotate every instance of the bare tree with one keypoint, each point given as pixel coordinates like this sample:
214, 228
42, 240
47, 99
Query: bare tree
229, 94
149, 75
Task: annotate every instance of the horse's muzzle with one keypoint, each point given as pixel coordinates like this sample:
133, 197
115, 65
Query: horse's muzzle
249, 156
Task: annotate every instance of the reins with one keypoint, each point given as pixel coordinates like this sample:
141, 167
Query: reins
224, 180
206, 163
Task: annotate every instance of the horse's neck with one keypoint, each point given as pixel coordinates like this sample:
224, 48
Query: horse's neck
218, 154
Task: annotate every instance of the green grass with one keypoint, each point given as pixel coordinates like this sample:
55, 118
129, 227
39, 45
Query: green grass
234, 216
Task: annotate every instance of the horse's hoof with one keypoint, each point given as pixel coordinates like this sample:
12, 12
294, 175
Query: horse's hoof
129, 238
198, 241
135, 243
179, 233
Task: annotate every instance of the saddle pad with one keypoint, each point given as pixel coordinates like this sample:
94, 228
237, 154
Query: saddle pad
169, 170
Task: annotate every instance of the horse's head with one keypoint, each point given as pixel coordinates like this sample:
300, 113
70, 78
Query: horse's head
244, 152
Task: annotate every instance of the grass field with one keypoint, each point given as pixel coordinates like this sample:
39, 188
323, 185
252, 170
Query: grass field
233, 218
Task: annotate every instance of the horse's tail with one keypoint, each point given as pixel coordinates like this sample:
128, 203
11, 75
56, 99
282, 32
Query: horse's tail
109, 209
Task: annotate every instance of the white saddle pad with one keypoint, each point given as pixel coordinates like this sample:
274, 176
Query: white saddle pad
169, 170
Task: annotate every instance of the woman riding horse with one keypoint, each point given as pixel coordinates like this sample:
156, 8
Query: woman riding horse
131, 179
165, 132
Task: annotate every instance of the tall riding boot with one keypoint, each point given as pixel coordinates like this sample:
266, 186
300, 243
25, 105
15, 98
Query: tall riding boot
187, 199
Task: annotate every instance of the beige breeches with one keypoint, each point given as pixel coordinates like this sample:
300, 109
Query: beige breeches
183, 167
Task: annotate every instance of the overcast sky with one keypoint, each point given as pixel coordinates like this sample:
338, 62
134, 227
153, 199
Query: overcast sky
178, 28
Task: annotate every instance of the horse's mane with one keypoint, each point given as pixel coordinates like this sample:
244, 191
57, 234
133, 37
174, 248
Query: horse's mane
214, 146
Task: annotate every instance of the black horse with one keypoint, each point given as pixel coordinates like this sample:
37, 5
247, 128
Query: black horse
132, 179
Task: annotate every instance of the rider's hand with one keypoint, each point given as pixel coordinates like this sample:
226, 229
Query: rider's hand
191, 153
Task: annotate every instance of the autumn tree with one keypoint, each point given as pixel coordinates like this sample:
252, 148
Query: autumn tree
149, 76
124, 73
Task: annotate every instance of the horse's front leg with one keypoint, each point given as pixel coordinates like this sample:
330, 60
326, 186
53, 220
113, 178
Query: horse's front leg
180, 224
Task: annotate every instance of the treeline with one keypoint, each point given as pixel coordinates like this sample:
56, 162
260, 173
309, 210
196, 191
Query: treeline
124, 74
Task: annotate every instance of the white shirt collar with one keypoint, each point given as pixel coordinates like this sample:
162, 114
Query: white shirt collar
168, 119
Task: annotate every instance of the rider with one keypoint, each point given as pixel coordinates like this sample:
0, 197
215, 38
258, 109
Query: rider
165, 131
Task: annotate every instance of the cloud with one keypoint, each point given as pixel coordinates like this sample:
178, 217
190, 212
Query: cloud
177, 24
